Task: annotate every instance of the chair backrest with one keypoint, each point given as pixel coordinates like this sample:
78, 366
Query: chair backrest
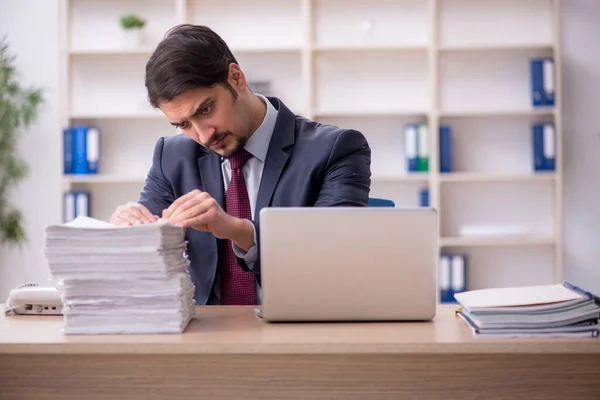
378, 202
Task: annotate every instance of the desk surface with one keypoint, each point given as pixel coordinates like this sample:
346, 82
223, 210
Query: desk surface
236, 330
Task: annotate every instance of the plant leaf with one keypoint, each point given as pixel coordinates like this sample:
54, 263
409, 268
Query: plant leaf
19, 108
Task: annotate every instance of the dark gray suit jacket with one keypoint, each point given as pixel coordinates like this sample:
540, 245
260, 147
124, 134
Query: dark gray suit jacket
308, 164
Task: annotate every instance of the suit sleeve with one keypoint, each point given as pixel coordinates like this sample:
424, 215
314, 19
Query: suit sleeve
347, 182
249, 257
157, 193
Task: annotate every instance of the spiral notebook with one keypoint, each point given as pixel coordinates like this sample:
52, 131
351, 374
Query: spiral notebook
561, 310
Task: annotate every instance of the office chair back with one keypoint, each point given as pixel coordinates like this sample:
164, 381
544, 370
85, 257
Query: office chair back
379, 202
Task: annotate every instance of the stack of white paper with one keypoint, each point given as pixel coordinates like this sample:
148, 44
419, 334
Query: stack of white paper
559, 310
118, 280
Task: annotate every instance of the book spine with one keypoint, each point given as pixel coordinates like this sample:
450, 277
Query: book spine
423, 148
68, 206
539, 163
80, 150
444, 279
458, 274
424, 197
548, 81
82, 204
445, 149
549, 147
93, 150
68, 150
410, 147
537, 83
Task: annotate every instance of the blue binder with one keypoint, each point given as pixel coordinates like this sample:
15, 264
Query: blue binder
86, 149
538, 147
445, 149
80, 149
445, 295
544, 147
458, 272
542, 81
68, 150
424, 197
76, 203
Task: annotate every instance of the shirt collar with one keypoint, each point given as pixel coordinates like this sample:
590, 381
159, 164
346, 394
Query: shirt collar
258, 144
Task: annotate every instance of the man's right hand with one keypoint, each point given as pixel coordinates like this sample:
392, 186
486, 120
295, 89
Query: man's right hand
132, 214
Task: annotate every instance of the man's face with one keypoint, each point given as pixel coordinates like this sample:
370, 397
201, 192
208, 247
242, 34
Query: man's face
212, 117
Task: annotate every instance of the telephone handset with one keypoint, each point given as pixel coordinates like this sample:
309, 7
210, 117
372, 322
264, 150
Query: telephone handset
32, 299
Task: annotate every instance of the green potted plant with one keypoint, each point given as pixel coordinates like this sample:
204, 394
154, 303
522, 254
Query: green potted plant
19, 108
133, 26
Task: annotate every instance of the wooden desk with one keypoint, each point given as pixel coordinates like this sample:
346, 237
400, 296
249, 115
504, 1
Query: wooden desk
228, 353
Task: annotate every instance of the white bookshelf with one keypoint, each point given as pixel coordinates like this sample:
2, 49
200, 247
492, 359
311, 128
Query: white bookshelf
458, 62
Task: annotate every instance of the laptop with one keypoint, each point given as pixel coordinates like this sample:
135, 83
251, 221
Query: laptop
349, 263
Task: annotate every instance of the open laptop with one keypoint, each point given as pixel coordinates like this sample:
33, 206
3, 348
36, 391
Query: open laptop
349, 263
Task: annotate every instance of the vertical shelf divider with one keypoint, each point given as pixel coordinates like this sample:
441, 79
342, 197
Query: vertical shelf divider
308, 65
558, 188
65, 95
181, 12
434, 85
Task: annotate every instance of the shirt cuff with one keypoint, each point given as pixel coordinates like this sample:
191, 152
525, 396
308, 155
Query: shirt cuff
251, 255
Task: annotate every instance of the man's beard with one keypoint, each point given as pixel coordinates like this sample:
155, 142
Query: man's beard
240, 142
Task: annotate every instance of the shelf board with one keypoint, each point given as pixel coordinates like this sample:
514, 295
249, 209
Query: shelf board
117, 115
111, 52
265, 49
369, 113
496, 241
494, 177
415, 177
119, 178
493, 47
147, 51
350, 48
104, 178
498, 113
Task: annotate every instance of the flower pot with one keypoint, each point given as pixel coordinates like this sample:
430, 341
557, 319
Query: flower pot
132, 38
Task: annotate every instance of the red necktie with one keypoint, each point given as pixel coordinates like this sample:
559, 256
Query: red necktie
237, 286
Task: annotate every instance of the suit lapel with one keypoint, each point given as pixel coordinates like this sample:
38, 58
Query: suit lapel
209, 165
277, 155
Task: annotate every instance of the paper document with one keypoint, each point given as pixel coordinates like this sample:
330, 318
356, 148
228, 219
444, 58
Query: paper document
515, 296
530, 311
121, 279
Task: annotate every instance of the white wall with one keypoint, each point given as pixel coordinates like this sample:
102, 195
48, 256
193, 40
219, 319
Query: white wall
581, 124
36, 45
33, 39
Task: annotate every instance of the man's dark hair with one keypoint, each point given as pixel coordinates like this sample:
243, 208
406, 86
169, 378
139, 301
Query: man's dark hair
189, 57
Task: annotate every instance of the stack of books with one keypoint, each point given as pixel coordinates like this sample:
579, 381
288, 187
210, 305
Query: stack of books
561, 310
121, 279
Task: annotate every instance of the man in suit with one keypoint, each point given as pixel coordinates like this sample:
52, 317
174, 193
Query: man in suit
238, 152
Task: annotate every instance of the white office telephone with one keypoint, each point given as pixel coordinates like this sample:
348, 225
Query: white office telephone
32, 299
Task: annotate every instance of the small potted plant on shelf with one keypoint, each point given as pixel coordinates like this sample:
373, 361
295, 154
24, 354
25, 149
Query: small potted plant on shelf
132, 30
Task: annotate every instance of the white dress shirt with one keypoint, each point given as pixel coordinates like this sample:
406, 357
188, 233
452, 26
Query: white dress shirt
257, 146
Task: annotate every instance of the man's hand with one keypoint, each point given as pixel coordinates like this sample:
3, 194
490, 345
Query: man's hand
199, 210
132, 214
